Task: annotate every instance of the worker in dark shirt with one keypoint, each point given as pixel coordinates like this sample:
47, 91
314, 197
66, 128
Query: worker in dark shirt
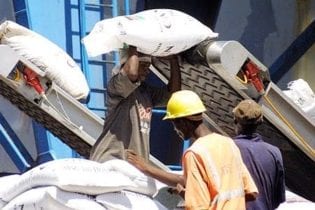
130, 100
263, 160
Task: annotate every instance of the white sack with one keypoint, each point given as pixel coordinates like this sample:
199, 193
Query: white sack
2, 204
291, 197
297, 206
145, 184
52, 198
75, 175
310, 111
295, 202
302, 95
128, 200
6, 182
57, 64
157, 32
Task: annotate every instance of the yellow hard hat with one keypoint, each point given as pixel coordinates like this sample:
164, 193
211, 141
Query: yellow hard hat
183, 103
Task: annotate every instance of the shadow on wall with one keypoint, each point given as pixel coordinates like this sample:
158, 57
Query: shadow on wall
254, 35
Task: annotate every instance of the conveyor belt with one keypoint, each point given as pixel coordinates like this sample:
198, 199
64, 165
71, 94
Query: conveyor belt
65, 133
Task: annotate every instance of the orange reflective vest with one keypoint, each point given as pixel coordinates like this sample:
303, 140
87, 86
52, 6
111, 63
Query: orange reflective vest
216, 177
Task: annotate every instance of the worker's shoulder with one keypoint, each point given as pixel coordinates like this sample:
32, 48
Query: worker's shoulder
214, 139
220, 139
272, 148
214, 136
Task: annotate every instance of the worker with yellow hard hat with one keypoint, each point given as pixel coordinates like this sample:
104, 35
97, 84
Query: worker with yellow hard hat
214, 175
182, 104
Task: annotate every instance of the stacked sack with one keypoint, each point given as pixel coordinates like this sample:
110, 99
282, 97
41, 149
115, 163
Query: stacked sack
294, 202
79, 184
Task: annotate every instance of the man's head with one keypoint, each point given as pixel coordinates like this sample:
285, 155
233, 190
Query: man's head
184, 109
248, 115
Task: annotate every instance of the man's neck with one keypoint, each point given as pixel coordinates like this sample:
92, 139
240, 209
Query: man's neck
200, 131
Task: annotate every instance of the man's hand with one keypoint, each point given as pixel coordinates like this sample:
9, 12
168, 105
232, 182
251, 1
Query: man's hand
136, 160
251, 196
132, 50
179, 190
166, 177
175, 77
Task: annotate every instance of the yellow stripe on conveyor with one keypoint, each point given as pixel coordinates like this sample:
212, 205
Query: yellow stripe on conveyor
306, 145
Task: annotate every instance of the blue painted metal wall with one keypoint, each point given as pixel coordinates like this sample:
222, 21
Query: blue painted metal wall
13, 145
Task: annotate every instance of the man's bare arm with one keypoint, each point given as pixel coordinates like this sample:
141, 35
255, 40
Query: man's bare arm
175, 78
168, 178
131, 66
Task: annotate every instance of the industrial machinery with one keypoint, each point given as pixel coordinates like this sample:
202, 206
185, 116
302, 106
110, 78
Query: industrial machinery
221, 72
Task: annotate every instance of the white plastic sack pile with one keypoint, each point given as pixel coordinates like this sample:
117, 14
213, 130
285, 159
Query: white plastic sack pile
302, 95
125, 200
158, 32
57, 64
294, 202
5, 183
141, 183
52, 198
80, 176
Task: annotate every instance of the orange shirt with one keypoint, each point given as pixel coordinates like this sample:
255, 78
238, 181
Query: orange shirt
216, 177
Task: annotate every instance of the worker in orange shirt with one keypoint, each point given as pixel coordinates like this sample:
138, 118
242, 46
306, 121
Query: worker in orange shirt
215, 176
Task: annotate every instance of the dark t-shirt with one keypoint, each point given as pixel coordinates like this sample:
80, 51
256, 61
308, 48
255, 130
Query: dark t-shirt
264, 163
127, 125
